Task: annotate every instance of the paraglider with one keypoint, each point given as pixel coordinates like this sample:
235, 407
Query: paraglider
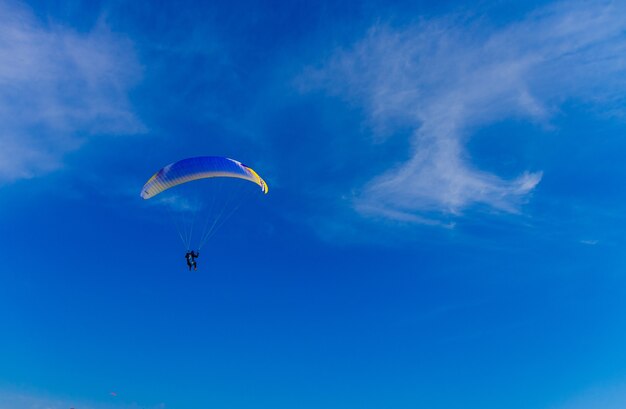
191, 259
222, 205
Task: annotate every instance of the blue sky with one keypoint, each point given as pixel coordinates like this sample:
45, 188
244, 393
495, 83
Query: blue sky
444, 226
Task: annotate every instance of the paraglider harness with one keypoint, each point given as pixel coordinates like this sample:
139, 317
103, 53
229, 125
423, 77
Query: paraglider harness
191, 259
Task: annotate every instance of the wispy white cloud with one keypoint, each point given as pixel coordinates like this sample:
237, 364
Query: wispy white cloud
610, 396
589, 242
449, 76
11, 399
57, 88
178, 203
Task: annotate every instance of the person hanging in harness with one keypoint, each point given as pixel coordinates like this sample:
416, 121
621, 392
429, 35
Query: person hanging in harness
191, 259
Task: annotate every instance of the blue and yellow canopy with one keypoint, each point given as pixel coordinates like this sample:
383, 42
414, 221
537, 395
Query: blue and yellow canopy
200, 167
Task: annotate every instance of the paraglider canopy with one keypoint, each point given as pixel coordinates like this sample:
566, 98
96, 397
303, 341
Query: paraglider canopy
200, 167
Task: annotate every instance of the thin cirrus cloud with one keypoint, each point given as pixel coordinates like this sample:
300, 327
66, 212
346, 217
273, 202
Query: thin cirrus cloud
449, 76
606, 396
57, 88
27, 400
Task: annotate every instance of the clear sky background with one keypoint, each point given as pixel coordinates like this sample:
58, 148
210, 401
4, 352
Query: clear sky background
444, 227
